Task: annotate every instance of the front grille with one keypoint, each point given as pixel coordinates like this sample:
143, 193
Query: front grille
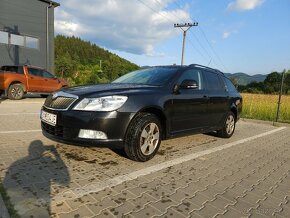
53, 130
60, 102
60, 131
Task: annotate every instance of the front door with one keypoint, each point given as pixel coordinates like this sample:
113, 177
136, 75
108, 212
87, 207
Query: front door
51, 83
189, 107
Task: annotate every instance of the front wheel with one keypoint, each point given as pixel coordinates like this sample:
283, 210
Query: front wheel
143, 137
15, 92
229, 126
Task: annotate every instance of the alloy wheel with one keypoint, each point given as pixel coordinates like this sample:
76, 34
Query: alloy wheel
149, 138
230, 124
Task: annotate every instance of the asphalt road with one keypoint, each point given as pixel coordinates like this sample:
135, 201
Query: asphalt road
194, 176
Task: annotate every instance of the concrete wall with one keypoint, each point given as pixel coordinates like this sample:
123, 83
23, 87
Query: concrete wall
27, 18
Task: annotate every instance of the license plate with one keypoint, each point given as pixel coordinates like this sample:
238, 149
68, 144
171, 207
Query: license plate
48, 118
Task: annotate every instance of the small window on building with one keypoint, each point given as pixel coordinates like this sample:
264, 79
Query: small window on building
16, 40
3, 37
31, 42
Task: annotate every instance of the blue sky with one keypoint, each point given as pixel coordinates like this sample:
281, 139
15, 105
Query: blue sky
250, 36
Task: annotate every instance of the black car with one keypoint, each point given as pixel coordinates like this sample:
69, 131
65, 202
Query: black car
136, 111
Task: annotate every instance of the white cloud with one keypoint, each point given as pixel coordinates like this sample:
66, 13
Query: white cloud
226, 34
120, 25
244, 5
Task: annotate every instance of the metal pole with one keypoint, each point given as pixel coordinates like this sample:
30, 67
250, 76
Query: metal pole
47, 35
188, 25
183, 45
280, 94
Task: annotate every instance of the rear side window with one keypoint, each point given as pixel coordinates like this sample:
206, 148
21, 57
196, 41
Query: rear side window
214, 82
229, 85
15, 69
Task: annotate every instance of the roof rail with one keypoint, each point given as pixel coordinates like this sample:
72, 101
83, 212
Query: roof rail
202, 66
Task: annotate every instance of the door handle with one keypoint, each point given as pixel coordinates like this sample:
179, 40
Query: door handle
45, 80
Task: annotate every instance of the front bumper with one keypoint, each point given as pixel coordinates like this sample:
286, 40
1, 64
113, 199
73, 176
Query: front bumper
69, 123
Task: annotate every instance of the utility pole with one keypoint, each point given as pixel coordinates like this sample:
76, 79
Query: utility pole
187, 26
279, 100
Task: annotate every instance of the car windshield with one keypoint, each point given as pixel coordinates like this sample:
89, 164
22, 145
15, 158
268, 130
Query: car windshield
150, 76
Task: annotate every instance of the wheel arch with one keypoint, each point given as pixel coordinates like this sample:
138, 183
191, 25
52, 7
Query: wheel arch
157, 111
235, 111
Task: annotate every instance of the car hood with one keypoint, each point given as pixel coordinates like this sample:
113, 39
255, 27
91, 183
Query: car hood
107, 89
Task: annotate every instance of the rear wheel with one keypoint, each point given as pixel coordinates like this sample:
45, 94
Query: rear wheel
229, 126
143, 137
15, 92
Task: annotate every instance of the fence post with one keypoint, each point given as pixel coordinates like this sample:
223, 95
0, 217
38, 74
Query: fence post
280, 94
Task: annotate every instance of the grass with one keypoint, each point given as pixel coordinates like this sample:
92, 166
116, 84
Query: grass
12, 212
264, 107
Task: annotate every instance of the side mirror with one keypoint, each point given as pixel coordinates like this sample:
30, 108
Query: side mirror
188, 84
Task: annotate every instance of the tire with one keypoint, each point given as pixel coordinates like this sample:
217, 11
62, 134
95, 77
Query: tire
44, 96
229, 126
15, 92
143, 137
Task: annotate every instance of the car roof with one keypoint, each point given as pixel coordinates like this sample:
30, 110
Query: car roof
187, 66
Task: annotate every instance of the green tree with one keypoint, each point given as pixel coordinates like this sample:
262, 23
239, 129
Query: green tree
79, 62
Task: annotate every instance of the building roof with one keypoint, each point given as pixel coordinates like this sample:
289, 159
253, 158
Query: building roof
55, 4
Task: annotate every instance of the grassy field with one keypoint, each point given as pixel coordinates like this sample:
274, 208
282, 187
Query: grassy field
264, 107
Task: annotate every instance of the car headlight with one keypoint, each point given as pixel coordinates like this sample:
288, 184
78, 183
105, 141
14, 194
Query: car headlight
108, 103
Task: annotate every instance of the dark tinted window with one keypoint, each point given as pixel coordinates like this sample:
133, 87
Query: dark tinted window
193, 74
35, 72
230, 86
214, 82
16, 69
47, 75
149, 76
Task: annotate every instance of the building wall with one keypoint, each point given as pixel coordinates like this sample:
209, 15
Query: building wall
27, 18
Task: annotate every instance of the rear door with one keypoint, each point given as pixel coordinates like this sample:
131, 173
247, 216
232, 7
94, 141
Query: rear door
189, 107
35, 80
218, 98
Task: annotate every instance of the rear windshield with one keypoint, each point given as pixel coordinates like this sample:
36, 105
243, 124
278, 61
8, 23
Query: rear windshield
150, 76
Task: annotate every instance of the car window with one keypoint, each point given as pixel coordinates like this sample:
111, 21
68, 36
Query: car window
47, 75
149, 76
16, 69
214, 82
229, 85
192, 74
35, 72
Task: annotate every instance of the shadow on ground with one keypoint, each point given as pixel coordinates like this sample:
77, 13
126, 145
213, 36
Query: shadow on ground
2, 98
28, 180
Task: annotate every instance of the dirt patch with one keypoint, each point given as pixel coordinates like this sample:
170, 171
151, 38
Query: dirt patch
111, 163
75, 156
91, 161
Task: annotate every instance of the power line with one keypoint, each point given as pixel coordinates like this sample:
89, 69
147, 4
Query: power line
171, 21
208, 42
148, 6
213, 49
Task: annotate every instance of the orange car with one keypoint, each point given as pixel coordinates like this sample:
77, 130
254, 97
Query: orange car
15, 81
